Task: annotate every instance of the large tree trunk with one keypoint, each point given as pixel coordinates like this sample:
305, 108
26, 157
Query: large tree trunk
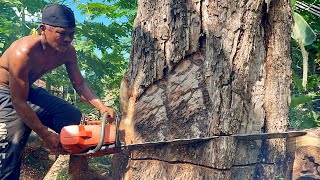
203, 68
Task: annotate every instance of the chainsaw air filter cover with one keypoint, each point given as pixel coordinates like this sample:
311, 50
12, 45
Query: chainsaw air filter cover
80, 138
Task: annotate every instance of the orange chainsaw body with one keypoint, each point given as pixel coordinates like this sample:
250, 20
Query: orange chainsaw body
79, 138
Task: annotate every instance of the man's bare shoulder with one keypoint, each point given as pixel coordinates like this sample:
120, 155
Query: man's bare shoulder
20, 49
26, 45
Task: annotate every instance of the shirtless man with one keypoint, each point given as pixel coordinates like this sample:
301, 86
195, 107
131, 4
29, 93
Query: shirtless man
23, 108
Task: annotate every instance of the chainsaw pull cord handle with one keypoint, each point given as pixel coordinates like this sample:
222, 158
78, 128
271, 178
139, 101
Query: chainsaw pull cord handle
101, 140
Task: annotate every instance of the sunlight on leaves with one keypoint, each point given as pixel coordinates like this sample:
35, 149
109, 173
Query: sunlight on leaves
302, 30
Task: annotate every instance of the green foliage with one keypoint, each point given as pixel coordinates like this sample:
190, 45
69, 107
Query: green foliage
302, 31
113, 9
304, 35
304, 108
111, 40
295, 101
13, 24
293, 3
303, 117
99, 164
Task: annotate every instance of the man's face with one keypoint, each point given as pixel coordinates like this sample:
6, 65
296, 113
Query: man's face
59, 38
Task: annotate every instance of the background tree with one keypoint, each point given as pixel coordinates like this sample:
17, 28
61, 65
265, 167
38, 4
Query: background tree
13, 16
203, 68
110, 39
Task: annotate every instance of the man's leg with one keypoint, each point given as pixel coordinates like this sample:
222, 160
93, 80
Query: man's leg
53, 112
11, 148
13, 138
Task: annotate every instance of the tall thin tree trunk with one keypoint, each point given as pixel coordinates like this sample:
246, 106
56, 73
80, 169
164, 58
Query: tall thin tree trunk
204, 68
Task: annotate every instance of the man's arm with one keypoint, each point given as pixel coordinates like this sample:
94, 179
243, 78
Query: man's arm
19, 90
84, 90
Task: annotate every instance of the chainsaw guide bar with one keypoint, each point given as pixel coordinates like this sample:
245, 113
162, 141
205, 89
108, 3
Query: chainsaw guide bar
249, 137
103, 139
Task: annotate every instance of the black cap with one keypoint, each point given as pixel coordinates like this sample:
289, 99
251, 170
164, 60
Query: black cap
58, 15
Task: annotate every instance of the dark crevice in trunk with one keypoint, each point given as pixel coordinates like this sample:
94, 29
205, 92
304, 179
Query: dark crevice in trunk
177, 162
201, 165
202, 39
264, 23
264, 145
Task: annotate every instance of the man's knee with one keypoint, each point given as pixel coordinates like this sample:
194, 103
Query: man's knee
76, 115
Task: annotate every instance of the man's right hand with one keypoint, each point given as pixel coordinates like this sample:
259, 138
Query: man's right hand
52, 142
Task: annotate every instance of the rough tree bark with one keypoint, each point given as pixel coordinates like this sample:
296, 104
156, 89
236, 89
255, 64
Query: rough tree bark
203, 68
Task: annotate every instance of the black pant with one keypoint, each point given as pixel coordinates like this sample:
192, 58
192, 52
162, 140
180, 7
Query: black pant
53, 112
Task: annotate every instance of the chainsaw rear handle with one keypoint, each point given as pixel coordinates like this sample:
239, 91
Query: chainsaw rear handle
102, 134
101, 139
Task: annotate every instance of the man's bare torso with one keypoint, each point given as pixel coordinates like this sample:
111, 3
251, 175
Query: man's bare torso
38, 62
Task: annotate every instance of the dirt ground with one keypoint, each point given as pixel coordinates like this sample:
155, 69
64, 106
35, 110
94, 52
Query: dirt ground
36, 162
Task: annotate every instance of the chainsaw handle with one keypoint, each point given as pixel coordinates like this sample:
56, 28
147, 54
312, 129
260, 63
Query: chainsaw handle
101, 140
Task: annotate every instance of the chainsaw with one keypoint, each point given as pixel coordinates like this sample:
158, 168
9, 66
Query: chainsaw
97, 139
